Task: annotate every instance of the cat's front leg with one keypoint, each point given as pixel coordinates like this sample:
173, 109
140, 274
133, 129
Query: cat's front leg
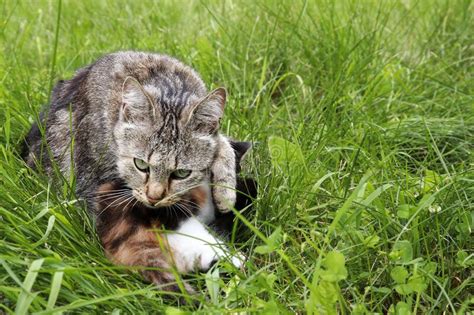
194, 248
224, 175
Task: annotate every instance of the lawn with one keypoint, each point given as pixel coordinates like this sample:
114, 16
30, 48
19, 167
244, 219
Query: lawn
362, 115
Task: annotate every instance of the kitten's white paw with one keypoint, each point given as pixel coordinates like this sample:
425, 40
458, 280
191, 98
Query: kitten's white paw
220, 253
208, 257
238, 260
194, 248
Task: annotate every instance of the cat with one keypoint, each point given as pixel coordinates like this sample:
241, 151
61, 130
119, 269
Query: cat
144, 123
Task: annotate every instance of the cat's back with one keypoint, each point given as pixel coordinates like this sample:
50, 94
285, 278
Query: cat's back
168, 75
98, 87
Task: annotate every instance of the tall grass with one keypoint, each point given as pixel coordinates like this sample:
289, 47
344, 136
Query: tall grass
362, 115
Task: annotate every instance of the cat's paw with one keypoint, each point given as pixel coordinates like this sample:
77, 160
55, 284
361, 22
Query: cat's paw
224, 198
209, 258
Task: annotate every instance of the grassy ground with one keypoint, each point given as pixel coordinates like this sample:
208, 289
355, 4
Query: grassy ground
363, 114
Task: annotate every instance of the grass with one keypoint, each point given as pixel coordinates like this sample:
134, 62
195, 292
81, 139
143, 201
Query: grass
362, 112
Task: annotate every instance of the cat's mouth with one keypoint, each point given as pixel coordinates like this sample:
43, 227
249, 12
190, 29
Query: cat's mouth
175, 207
165, 202
186, 197
162, 203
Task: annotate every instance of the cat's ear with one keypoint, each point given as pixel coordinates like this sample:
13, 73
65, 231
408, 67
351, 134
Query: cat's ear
205, 116
240, 148
137, 105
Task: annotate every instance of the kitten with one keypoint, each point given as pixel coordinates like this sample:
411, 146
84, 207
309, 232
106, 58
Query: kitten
145, 122
132, 233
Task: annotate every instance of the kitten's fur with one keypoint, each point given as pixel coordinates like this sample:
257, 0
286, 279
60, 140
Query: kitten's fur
141, 105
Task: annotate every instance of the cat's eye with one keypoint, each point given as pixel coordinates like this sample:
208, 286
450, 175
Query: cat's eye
180, 174
141, 165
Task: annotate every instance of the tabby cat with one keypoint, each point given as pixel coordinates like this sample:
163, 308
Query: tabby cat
140, 133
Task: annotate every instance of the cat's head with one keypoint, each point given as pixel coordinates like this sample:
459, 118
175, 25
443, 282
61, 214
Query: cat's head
165, 148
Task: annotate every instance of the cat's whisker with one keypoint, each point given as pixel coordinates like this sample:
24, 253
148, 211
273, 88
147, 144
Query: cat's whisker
112, 190
126, 206
135, 203
118, 203
184, 210
121, 205
101, 199
111, 193
190, 202
180, 210
113, 197
175, 212
172, 210
113, 203
114, 193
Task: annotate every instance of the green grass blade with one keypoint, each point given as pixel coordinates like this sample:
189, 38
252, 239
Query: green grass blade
27, 296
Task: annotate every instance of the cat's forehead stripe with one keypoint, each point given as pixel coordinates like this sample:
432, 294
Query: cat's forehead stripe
172, 92
168, 133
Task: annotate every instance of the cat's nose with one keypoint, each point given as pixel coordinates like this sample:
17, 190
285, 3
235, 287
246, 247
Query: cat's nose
155, 192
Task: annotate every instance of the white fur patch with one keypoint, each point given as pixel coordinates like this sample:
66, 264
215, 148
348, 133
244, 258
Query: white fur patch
194, 248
